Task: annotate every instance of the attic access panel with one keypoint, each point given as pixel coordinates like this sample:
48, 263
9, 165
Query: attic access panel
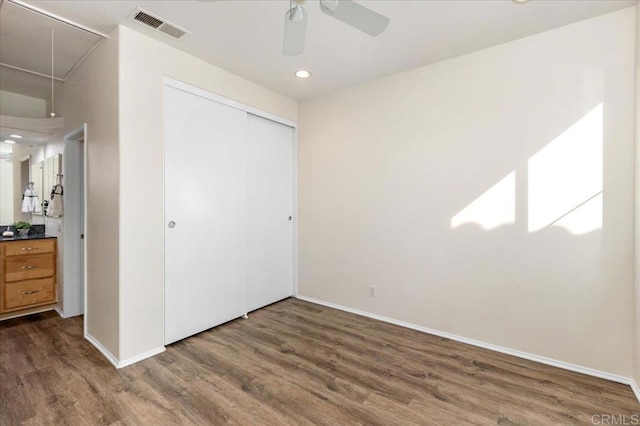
25, 41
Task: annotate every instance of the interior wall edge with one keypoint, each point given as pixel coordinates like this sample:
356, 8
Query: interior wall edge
485, 345
142, 356
636, 248
114, 360
104, 351
98, 74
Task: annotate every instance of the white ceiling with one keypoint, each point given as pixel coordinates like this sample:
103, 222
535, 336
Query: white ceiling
245, 36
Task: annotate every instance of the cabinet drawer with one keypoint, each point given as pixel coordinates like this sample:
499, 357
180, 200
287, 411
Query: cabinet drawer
28, 293
29, 267
17, 248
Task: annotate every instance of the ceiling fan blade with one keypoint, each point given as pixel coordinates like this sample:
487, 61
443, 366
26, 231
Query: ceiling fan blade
356, 15
295, 30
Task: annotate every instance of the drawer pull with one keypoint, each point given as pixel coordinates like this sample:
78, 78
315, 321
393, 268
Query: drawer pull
29, 248
29, 267
30, 292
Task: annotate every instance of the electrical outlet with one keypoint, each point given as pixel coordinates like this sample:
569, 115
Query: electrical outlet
372, 291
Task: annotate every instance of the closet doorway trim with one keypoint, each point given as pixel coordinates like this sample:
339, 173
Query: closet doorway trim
168, 81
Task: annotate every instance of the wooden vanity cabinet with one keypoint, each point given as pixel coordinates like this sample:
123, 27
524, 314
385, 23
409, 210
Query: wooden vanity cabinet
28, 274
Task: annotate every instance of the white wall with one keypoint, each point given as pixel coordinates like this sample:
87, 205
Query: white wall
143, 63
636, 357
17, 105
389, 172
90, 95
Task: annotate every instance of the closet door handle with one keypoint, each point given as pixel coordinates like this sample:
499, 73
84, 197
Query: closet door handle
172, 224
29, 267
290, 218
30, 292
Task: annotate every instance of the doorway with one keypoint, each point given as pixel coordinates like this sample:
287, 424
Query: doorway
74, 253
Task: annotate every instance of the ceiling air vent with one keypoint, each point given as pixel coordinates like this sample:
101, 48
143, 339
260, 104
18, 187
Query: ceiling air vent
158, 24
172, 30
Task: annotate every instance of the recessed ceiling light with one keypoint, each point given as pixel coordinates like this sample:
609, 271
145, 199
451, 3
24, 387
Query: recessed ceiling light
9, 141
520, 1
303, 74
15, 136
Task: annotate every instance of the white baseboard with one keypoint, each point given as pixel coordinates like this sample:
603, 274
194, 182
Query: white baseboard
636, 389
531, 357
62, 314
113, 360
140, 357
59, 311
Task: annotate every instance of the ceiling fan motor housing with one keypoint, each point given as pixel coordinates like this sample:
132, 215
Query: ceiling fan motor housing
332, 5
347, 11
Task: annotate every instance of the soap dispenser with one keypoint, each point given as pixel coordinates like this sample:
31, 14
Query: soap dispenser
8, 232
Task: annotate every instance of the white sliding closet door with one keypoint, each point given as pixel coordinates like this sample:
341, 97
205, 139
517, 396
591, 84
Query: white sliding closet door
270, 213
206, 198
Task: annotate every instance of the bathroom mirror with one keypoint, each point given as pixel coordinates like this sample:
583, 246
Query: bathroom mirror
51, 169
20, 165
36, 178
6, 184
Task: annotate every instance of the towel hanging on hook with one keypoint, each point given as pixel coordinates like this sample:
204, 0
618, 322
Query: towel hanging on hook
30, 200
56, 206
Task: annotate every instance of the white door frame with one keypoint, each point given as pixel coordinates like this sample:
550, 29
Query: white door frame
177, 84
180, 85
72, 232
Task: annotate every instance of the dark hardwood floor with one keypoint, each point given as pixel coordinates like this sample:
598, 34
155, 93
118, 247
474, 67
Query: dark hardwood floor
290, 363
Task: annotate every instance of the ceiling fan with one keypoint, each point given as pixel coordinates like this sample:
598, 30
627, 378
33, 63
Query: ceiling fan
347, 11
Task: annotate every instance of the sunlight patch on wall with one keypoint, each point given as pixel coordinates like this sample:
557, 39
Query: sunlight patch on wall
565, 178
584, 219
494, 208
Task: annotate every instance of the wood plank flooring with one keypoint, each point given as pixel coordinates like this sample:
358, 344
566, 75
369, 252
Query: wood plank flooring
290, 363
